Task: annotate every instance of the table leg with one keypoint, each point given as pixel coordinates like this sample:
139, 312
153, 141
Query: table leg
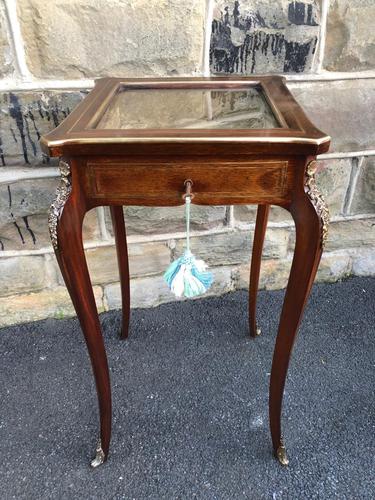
260, 231
118, 224
310, 215
65, 224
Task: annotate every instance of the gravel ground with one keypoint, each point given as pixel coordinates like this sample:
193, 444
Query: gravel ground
190, 392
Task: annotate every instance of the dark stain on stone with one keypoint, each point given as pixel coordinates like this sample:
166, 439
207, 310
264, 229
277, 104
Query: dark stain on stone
32, 143
14, 221
45, 159
32, 118
54, 113
40, 110
29, 229
236, 14
13, 134
18, 228
16, 113
2, 153
301, 14
227, 57
9, 196
296, 55
27, 118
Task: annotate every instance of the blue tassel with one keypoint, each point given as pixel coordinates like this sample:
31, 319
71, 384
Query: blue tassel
187, 276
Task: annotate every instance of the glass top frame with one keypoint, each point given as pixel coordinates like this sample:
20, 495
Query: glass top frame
79, 128
185, 85
162, 108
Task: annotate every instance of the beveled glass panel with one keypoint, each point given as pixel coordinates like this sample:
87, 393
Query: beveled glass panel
141, 108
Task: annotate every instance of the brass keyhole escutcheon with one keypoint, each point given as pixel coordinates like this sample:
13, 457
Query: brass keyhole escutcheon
188, 183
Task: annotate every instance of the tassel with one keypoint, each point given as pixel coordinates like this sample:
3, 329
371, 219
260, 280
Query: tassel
188, 276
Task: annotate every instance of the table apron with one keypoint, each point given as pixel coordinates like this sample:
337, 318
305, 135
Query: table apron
256, 181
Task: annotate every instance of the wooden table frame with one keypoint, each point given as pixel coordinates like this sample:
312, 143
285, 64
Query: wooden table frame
148, 167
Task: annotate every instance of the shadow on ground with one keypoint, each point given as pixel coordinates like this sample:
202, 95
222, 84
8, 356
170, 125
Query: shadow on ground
190, 392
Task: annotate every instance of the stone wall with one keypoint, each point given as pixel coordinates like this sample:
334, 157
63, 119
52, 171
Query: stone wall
50, 52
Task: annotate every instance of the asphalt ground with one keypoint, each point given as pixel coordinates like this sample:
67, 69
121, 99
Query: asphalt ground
190, 397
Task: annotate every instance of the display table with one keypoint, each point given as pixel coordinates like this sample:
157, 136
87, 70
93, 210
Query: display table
136, 142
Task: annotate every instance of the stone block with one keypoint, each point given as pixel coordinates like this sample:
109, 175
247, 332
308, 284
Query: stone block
350, 40
260, 37
276, 243
156, 220
49, 303
333, 178
342, 109
364, 196
25, 117
274, 273
144, 292
234, 247
91, 38
246, 214
346, 234
144, 259
364, 261
334, 266
152, 291
351, 234
22, 274
218, 249
24, 209
6, 53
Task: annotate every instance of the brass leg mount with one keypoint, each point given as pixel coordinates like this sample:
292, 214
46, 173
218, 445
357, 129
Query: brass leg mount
99, 457
281, 454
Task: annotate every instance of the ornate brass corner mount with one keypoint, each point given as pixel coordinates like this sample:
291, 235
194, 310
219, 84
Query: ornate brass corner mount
62, 194
317, 199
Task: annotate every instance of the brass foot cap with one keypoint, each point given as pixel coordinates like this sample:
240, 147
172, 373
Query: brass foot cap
258, 331
281, 455
99, 457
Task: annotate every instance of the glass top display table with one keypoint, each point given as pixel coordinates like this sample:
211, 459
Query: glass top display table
136, 142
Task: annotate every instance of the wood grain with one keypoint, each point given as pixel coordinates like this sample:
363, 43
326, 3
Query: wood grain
215, 183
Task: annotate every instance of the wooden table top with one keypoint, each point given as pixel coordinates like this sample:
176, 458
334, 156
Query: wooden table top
187, 116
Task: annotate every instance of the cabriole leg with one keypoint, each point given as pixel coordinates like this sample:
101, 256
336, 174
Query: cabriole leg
65, 224
118, 224
310, 215
259, 233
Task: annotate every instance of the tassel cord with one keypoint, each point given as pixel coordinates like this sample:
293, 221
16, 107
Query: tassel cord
187, 215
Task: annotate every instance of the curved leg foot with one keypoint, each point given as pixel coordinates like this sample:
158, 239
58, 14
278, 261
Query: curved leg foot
100, 457
281, 454
65, 224
311, 219
260, 231
118, 223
